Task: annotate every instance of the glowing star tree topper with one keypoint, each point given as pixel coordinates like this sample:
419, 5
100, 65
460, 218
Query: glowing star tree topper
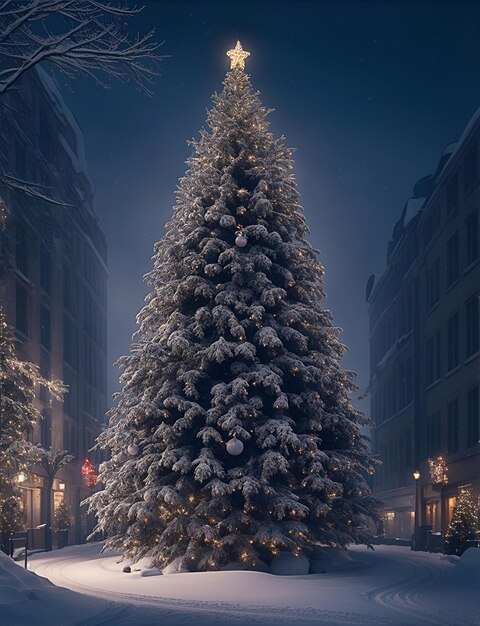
237, 57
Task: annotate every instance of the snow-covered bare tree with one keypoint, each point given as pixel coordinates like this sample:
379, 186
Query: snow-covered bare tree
77, 37
51, 461
234, 437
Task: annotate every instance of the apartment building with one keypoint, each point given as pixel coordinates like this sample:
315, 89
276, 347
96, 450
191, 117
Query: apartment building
425, 346
53, 283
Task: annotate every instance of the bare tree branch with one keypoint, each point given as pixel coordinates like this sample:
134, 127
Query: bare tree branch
78, 37
31, 190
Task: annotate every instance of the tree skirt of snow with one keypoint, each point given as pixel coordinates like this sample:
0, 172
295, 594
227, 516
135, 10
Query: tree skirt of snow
391, 586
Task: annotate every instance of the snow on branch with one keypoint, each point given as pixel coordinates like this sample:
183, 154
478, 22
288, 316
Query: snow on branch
88, 37
29, 189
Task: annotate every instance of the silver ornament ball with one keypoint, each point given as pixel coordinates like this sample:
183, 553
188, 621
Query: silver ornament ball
234, 446
241, 241
133, 449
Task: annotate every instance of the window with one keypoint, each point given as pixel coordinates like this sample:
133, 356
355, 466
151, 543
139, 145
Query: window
473, 327
452, 194
70, 437
45, 328
431, 226
21, 250
470, 169
21, 320
433, 438
45, 371
452, 435
453, 269
70, 291
473, 401
45, 138
409, 375
45, 269
402, 385
70, 398
432, 358
433, 285
70, 342
472, 239
452, 342
46, 430
20, 160
408, 448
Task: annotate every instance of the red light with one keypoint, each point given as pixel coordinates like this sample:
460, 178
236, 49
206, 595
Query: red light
88, 474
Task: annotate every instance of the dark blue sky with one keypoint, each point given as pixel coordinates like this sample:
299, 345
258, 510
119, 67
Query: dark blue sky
369, 93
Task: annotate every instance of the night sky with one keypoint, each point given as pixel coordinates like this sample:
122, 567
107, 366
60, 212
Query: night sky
369, 94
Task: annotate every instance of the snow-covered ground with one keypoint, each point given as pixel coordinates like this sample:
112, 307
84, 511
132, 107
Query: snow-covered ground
389, 587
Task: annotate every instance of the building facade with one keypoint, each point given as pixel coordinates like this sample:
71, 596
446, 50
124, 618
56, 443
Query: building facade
425, 346
53, 284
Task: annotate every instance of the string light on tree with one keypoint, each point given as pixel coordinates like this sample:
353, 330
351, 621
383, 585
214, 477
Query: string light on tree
89, 475
463, 529
438, 470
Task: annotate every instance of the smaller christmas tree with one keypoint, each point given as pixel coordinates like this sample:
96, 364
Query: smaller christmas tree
61, 520
463, 529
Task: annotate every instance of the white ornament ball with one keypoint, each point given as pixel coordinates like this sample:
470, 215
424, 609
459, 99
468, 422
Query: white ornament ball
241, 241
234, 446
133, 449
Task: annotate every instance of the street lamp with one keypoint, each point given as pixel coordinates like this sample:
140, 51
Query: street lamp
416, 475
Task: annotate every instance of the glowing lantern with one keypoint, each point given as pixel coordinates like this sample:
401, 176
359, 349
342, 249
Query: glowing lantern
88, 474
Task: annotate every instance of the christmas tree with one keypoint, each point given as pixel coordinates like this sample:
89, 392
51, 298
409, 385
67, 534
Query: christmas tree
463, 528
18, 416
61, 518
233, 437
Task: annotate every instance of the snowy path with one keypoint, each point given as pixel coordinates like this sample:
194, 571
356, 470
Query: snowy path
389, 587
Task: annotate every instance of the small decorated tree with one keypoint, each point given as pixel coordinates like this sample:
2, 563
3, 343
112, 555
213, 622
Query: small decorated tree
61, 519
463, 529
62, 523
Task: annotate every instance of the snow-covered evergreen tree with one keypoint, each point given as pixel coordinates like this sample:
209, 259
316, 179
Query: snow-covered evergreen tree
233, 436
18, 416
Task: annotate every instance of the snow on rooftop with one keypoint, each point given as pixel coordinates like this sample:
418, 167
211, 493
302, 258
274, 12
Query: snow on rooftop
412, 207
450, 148
453, 148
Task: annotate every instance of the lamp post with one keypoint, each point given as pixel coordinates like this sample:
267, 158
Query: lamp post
416, 475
